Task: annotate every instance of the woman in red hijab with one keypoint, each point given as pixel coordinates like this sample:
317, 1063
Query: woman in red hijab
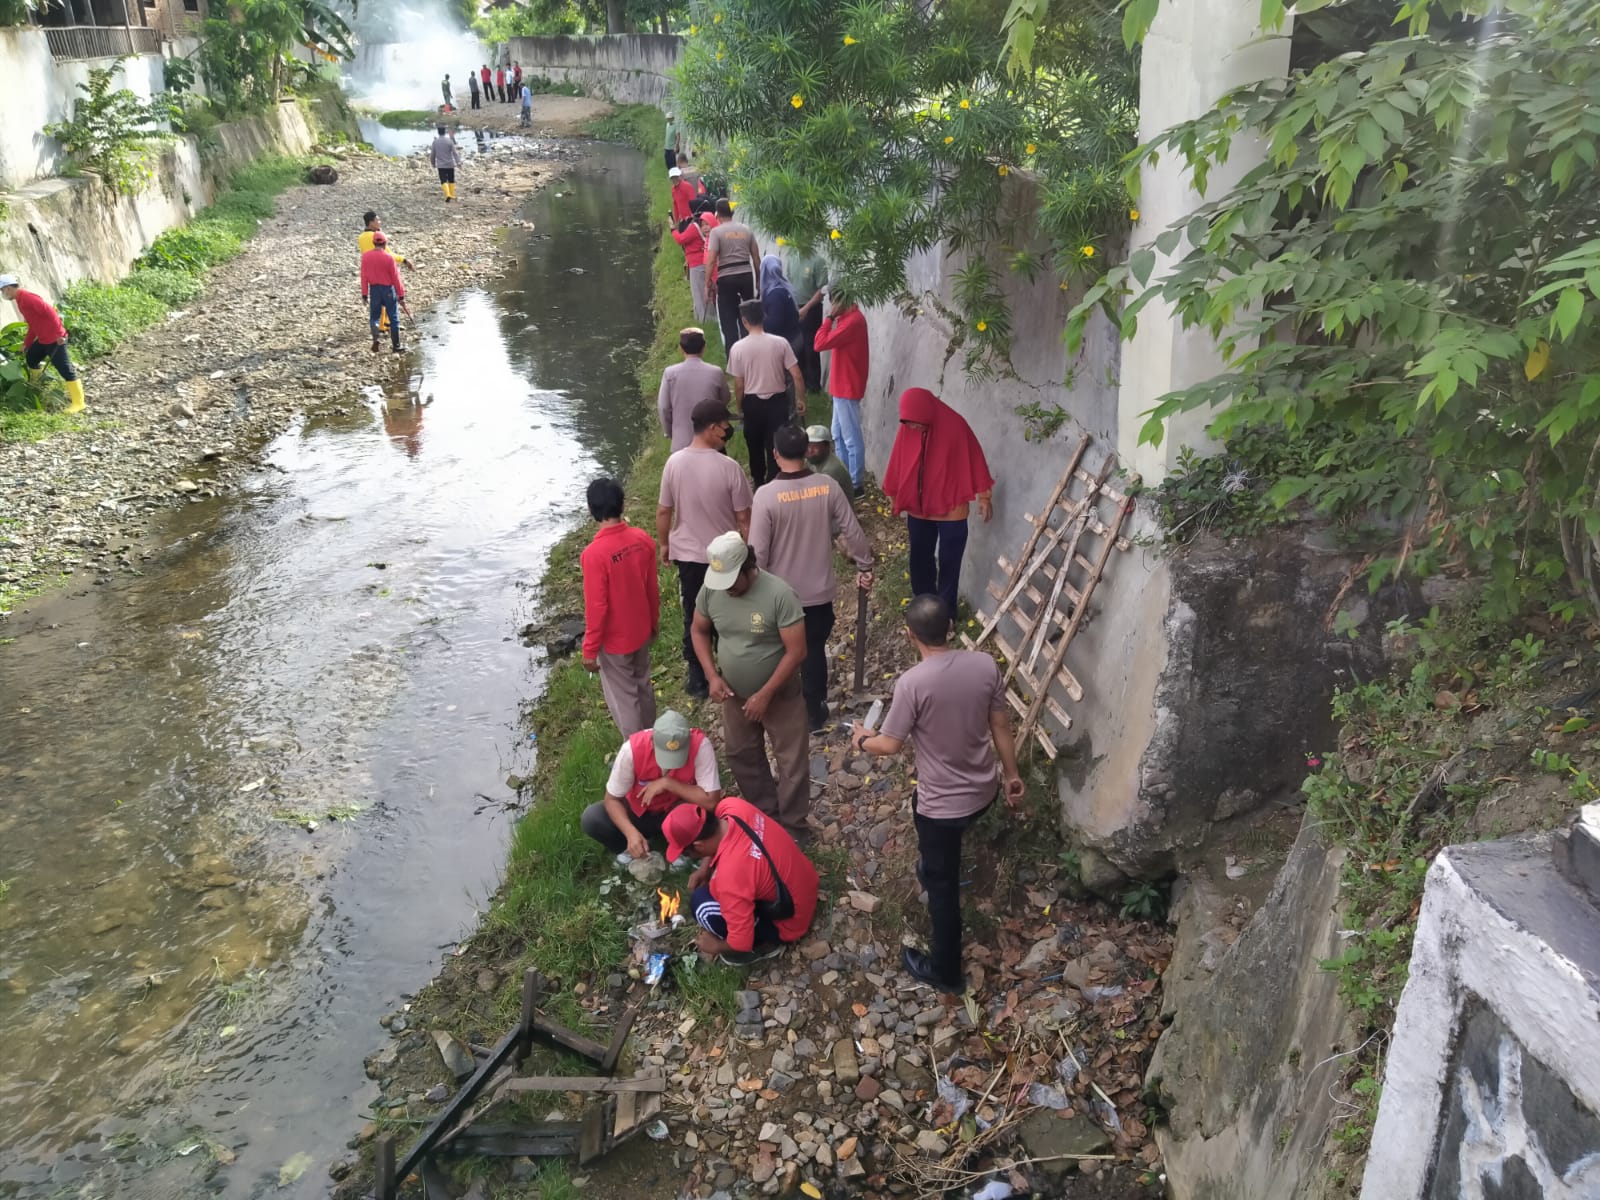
936, 470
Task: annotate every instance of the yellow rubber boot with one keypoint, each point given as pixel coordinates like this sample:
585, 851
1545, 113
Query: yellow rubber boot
75, 395
34, 374
383, 320
452, 191
445, 187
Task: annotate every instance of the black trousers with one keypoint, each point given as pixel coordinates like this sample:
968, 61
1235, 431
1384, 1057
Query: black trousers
763, 417
671, 157
814, 671
597, 823
806, 352
691, 575
732, 291
54, 353
475, 98
939, 844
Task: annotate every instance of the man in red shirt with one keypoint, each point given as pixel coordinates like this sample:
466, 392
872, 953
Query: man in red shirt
382, 291
844, 331
621, 609
682, 195
754, 891
46, 340
655, 771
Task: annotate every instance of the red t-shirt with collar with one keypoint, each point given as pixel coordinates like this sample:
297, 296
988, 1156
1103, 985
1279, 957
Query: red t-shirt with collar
621, 590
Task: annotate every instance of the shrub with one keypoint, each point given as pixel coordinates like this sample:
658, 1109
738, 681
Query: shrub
110, 131
198, 245
167, 284
98, 317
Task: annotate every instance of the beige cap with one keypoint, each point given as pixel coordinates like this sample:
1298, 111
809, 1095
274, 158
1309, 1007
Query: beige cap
726, 554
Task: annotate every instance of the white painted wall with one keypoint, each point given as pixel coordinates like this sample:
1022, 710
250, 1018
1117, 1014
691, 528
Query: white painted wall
1195, 53
40, 91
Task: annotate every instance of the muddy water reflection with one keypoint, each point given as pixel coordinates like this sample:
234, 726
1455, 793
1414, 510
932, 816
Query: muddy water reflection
191, 973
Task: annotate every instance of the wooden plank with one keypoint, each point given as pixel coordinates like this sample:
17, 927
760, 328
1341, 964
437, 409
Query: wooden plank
542, 1139
1110, 489
1039, 735
619, 1039
1021, 702
1066, 678
1049, 571
446, 1125
546, 1030
627, 1114
585, 1083
532, 986
384, 1179
597, 1119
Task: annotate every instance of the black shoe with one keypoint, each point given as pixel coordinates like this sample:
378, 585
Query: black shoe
759, 954
819, 722
398, 349
703, 692
859, 491
920, 967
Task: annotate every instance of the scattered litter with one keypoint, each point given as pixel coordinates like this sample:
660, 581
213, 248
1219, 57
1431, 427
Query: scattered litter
995, 1189
1067, 1069
656, 968
656, 1131
250, 787
185, 1151
1046, 1096
1096, 994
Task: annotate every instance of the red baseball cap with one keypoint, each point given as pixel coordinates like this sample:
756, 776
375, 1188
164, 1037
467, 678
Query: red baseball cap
685, 824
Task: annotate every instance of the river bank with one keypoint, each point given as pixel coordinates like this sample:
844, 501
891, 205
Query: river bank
824, 1067
178, 412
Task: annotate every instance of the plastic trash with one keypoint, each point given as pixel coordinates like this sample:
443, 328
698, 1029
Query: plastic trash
955, 1097
995, 1189
1046, 1096
874, 715
1067, 1069
624, 859
656, 1131
656, 968
1096, 994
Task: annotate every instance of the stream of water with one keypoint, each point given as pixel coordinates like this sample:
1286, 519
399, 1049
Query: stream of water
251, 797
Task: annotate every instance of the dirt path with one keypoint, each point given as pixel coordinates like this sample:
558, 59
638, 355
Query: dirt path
827, 1066
180, 410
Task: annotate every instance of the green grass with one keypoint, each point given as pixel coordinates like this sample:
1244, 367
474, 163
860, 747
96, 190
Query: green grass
167, 284
709, 990
408, 118
101, 316
32, 427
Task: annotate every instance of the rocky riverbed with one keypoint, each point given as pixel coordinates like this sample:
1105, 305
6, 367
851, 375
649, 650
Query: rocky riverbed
828, 1068
178, 412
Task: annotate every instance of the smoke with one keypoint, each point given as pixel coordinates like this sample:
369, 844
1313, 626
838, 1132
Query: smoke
405, 49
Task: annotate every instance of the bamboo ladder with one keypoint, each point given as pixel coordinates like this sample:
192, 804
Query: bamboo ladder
1042, 602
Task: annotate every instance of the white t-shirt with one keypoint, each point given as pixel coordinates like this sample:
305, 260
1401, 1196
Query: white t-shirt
622, 777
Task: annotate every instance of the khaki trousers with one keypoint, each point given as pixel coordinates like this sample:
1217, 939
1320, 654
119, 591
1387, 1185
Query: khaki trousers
788, 732
625, 683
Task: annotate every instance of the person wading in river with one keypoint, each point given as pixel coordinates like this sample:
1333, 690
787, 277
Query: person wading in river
655, 771
382, 291
686, 386
446, 158
951, 707
621, 609
703, 492
46, 339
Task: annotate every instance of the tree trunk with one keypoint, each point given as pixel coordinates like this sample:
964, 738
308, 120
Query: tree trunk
616, 21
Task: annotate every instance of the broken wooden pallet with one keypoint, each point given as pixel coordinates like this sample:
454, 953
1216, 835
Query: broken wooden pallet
1044, 598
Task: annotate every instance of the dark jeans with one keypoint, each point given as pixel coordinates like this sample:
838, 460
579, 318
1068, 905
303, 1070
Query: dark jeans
939, 844
708, 915
447, 174
597, 823
936, 548
690, 576
474, 97
381, 299
671, 157
54, 353
732, 291
806, 352
763, 417
814, 671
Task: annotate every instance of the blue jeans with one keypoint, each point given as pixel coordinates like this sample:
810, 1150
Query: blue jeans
847, 437
936, 549
381, 299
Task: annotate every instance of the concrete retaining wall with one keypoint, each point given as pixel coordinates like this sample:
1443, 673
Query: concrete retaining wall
58, 231
626, 68
40, 91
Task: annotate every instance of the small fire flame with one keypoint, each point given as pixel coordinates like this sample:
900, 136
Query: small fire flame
669, 905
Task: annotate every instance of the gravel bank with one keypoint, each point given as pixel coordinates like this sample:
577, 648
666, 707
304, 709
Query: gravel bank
181, 411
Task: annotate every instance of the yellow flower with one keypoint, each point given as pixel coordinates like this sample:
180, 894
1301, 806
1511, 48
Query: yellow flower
719, 55
966, 103
1087, 251
1030, 148
982, 325
835, 234
693, 29
717, 20
1133, 214
1004, 170
948, 140
848, 40
781, 242
733, 204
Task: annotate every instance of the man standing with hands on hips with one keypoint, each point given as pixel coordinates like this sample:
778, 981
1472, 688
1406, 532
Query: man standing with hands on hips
951, 706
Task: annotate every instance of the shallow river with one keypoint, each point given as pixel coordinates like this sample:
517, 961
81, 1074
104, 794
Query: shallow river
250, 798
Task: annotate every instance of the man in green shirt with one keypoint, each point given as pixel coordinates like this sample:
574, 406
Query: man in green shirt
760, 632
672, 149
808, 276
821, 458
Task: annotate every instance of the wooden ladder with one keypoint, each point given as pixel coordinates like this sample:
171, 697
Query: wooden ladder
1042, 603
